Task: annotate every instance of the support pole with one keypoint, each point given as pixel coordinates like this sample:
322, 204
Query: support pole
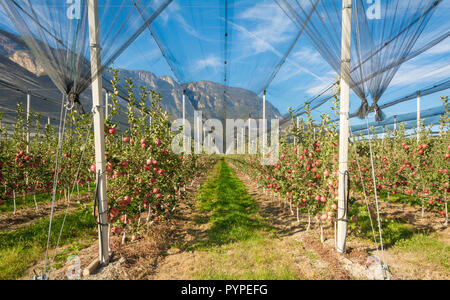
28, 122
106, 105
395, 122
243, 140
344, 126
249, 134
205, 143
184, 122
264, 122
418, 116
99, 135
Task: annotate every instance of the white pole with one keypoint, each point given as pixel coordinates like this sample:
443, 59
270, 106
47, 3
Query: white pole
35, 202
28, 122
395, 122
184, 122
99, 135
243, 140
295, 138
264, 121
418, 116
204, 139
344, 125
14, 199
106, 104
249, 134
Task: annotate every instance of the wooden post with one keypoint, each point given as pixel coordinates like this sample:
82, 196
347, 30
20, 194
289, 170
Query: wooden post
99, 135
344, 125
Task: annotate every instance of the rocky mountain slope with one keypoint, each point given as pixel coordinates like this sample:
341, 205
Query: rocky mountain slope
205, 96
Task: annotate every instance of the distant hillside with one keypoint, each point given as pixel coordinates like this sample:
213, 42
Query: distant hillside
203, 95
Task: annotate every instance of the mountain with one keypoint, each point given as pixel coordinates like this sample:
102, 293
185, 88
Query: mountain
205, 96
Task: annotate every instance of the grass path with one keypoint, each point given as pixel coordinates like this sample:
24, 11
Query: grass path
227, 238
235, 232
26, 245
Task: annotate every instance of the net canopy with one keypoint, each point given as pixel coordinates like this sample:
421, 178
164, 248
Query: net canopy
381, 40
431, 116
238, 43
22, 75
57, 33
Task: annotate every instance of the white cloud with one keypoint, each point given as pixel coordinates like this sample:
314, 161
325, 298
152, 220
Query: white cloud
308, 55
413, 73
320, 85
441, 48
270, 26
211, 61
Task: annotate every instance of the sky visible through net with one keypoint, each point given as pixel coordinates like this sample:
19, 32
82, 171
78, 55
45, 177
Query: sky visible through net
290, 48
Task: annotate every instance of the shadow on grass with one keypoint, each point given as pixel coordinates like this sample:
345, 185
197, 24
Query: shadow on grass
394, 230
20, 248
233, 212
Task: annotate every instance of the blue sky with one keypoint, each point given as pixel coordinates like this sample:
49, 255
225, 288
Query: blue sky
260, 33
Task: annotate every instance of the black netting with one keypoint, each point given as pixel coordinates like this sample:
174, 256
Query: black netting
379, 45
57, 33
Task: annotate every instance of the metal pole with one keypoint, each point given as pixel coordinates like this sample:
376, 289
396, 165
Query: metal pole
395, 122
28, 122
344, 126
99, 135
418, 116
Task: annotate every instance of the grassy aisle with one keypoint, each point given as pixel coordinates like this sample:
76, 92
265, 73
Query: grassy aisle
239, 243
22, 247
42, 199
